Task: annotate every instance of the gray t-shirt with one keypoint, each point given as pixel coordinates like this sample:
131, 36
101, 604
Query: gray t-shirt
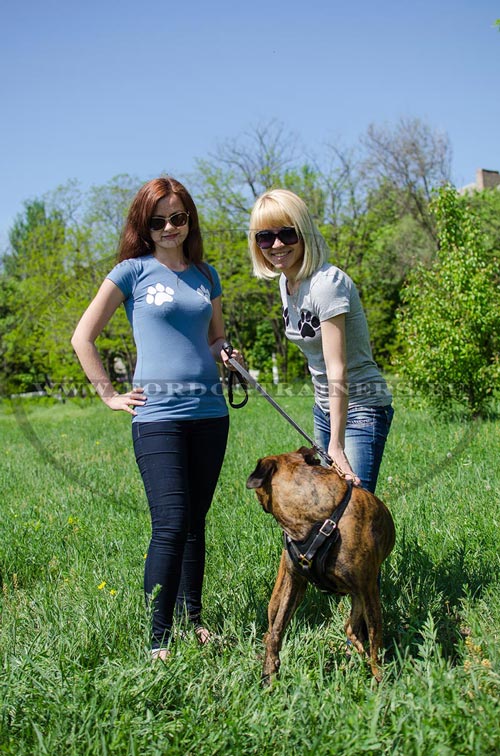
325, 294
170, 314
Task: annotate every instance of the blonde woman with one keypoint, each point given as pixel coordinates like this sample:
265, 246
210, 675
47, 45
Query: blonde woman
323, 315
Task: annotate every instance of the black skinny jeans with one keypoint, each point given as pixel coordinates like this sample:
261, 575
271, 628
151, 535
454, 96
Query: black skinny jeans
180, 462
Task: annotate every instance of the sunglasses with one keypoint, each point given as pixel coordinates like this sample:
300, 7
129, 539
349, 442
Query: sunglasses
158, 222
287, 235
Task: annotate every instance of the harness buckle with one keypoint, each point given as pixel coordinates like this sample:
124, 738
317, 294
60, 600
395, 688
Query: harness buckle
304, 561
328, 527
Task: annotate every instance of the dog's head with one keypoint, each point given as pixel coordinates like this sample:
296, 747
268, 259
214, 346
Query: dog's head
261, 478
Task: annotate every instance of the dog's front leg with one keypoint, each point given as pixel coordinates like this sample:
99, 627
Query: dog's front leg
287, 594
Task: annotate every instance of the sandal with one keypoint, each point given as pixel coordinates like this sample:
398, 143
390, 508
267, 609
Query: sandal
203, 635
160, 653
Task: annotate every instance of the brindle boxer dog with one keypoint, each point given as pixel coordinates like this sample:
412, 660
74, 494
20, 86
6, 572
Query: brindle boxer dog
299, 492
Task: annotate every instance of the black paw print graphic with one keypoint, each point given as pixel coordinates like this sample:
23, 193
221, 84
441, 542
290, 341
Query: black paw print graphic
286, 317
308, 324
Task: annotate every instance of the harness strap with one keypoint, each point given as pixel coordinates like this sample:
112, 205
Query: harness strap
309, 555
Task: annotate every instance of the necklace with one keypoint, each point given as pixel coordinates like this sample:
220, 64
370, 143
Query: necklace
293, 295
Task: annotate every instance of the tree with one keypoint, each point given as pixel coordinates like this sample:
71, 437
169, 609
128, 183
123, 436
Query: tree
34, 265
485, 205
104, 213
228, 184
393, 251
35, 220
449, 325
256, 162
378, 222
414, 158
55, 267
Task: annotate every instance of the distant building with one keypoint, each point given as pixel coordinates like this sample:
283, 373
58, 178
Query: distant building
484, 180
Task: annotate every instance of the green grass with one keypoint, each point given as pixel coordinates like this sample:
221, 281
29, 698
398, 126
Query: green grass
76, 676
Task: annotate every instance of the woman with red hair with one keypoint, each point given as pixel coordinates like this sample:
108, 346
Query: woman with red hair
179, 416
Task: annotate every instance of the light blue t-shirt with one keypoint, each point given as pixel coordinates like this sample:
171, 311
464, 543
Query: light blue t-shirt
170, 314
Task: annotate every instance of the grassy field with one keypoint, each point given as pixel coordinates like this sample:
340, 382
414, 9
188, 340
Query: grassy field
76, 676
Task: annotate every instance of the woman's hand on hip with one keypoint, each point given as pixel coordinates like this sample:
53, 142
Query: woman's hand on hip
127, 402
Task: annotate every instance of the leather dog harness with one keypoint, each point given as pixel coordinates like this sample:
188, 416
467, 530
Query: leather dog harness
309, 557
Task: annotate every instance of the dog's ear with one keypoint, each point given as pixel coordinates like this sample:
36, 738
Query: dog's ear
309, 455
263, 472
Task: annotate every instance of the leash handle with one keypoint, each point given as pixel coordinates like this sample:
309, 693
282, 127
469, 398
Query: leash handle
230, 388
227, 347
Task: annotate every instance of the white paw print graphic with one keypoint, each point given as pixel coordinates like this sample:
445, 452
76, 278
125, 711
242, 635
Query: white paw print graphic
159, 294
203, 292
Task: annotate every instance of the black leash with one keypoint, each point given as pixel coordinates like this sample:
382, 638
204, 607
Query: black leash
230, 388
248, 379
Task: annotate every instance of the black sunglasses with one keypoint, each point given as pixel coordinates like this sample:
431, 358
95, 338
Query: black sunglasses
158, 222
287, 235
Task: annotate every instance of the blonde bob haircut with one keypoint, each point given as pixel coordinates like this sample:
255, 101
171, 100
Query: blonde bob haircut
277, 208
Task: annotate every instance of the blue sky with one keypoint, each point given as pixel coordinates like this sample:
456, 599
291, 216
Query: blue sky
97, 88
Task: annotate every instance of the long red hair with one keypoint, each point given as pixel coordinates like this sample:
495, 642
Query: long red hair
136, 236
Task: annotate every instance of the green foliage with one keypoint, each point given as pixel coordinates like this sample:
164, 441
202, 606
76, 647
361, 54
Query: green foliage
371, 206
76, 678
449, 325
307, 183
35, 267
485, 205
247, 302
378, 247
261, 351
54, 269
395, 242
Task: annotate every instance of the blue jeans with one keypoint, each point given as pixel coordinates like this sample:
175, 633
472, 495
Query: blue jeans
180, 462
366, 432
